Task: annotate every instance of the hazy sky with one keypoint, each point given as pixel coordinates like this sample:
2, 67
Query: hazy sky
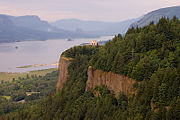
102, 10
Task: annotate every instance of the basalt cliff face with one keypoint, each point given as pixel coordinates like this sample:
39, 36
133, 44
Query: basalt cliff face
114, 82
63, 72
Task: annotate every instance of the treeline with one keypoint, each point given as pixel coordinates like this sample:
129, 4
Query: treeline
150, 55
81, 50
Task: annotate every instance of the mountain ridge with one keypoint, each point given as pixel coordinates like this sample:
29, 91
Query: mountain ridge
155, 15
100, 27
31, 27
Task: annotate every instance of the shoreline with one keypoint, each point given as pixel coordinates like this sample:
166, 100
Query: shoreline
30, 66
38, 65
10, 76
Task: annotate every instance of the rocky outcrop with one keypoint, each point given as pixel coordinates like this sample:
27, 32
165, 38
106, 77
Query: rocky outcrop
114, 82
63, 72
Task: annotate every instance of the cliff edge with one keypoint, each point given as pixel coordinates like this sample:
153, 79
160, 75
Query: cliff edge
63, 72
114, 82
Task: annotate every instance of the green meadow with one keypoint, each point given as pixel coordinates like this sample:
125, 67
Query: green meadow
8, 77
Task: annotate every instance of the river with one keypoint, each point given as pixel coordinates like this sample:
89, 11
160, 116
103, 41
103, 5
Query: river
45, 53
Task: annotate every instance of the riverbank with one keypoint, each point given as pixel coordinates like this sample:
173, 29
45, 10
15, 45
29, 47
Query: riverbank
8, 76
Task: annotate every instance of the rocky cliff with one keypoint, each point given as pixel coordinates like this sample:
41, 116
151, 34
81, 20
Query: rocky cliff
114, 82
63, 72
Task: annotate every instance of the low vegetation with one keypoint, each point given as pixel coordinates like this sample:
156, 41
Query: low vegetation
28, 66
9, 77
27, 89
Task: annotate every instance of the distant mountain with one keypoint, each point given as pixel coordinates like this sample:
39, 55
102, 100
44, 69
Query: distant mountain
102, 28
31, 27
13, 29
113, 28
169, 12
32, 22
9, 32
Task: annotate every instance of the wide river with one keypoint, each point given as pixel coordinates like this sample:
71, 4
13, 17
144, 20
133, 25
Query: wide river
13, 55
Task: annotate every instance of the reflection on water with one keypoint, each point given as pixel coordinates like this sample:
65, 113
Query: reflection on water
6, 48
18, 54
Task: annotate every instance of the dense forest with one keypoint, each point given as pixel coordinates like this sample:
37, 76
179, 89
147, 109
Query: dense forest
150, 55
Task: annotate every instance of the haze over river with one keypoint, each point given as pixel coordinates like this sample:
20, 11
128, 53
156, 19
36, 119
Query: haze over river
13, 55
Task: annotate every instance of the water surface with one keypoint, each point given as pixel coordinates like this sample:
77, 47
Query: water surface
36, 52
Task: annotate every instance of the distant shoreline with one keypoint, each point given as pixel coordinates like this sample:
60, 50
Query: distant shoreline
30, 40
38, 65
29, 66
8, 76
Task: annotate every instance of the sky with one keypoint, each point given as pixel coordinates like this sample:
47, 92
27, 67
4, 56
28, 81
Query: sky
97, 10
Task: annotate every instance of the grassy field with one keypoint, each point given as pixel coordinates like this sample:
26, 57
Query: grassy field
7, 97
28, 66
8, 77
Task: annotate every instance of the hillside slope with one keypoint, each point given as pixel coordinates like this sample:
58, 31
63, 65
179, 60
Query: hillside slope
33, 22
169, 12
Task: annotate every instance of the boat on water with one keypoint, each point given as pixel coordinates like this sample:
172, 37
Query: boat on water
69, 39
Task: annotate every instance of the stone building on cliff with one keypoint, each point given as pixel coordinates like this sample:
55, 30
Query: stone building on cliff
94, 43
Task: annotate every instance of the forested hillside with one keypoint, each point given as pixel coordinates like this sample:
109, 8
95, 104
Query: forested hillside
150, 55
